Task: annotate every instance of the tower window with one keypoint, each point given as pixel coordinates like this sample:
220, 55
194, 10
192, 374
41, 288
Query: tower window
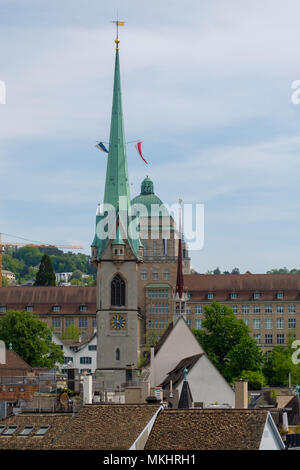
118, 291
118, 354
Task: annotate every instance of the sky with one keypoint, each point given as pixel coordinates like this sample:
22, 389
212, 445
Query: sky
206, 88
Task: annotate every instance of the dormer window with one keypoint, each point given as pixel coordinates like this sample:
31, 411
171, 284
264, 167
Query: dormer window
83, 308
2, 308
233, 295
56, 308
29, 308
256, 295
279, 295
210, 295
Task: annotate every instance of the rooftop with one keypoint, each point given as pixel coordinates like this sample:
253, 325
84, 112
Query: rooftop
218, 429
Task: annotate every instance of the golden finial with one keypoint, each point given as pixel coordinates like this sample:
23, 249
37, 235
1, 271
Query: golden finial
118, 23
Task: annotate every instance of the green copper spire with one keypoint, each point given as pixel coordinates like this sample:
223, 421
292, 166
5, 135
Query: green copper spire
116, 184
116, 192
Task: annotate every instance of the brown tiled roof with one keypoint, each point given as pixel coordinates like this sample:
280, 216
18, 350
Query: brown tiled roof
207, 430
245, 285
44, 298
176, 375
106, 427
57, 423
15, 365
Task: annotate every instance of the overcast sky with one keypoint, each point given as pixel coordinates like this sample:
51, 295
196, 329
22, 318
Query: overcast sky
206, 86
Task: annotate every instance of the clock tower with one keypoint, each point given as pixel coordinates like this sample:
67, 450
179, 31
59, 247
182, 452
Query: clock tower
117, 252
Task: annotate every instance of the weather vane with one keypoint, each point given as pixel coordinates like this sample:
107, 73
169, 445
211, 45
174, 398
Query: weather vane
118, 23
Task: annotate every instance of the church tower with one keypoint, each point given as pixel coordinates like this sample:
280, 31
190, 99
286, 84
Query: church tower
117, 252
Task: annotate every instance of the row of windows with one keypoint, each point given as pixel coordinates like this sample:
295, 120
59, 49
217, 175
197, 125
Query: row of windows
158, 308
158, 324
256, 295
82, 322
268, 308
55, 308
10, 430
157, 293
65, 371
155, 274
269, 338
269, 323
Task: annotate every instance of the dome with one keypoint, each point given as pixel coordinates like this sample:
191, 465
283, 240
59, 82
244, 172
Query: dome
147, 196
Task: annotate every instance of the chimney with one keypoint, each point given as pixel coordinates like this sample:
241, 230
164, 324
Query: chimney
2, 352
87, 389
285, 423
241, 394
152, 378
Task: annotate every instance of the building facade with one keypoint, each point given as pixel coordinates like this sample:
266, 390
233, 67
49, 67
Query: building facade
268, 303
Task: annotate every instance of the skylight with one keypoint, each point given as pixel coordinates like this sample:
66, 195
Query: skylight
27, 430
10, 430
42, 431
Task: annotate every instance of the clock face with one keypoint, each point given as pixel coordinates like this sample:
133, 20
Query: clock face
118, 322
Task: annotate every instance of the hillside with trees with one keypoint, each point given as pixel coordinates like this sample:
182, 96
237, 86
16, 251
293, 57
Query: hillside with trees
24, 263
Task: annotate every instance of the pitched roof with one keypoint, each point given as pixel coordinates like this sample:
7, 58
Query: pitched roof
105, 427
186, 399
57, 423
43, 298
195, 429
14, 365
159, 343
294, 414
245, 284
176, 375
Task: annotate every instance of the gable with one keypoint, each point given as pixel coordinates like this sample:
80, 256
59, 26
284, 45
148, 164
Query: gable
179, 344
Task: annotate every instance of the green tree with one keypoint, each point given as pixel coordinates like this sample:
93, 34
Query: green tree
226, 341
31, 339
45, 275
5, 282
30, 255
71, 332
256, 379
279, 365
77, 274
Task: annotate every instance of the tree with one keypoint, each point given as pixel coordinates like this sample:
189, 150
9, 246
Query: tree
226, 340
5, 282
217, 271
30, 338
45, 275
71, 332
256, 379
279, 365
235, 271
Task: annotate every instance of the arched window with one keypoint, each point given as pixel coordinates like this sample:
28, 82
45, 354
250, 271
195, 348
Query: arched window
118, 354
117, 291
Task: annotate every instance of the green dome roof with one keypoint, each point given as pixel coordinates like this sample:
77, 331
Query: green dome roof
147, 196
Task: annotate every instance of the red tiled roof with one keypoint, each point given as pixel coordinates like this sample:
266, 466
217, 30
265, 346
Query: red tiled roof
245, 285
44, 298
15, 365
